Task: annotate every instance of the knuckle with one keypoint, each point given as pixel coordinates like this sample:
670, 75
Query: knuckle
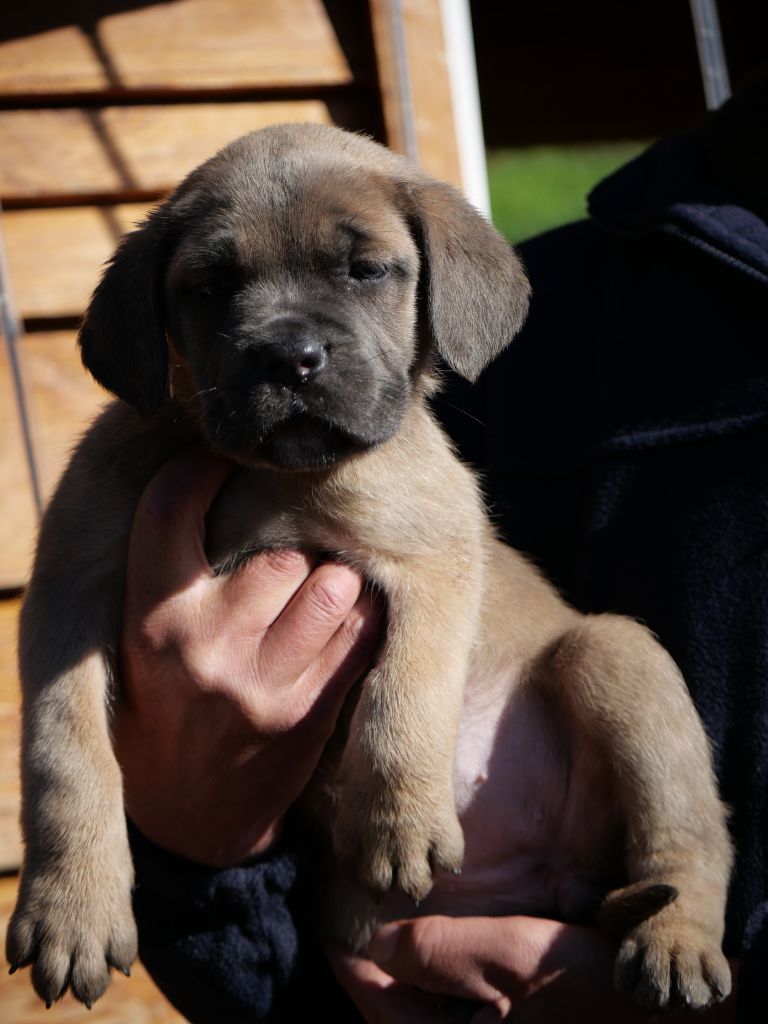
169, 624
213, 668
422, 937
283, 562
331, 594
150, 637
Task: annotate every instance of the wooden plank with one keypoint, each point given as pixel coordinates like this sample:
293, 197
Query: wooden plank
18, 521
181, 45
133, 1000
62, 400
128, 150
427, 82
10, 722
9, 612
56, 255
208, 43
58, 60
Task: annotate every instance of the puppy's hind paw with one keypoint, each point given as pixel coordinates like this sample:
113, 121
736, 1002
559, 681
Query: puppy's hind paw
671, 971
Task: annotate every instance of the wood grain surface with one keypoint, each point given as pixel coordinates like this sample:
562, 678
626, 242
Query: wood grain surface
56, 255
114, 151
426, 79
10, 720
62, 400
18, 521
184, 45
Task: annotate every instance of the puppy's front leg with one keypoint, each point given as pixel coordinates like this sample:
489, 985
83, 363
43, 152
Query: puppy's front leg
73, 919
626, 691
396, 817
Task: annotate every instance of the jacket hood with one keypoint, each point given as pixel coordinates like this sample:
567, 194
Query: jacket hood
708, 186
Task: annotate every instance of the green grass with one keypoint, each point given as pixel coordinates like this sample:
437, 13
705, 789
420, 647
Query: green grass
539, 187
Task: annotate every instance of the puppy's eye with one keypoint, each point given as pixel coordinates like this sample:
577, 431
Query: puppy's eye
212, 288
367, 270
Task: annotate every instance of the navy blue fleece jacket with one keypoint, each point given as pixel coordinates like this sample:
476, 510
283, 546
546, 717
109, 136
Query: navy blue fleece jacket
623, 441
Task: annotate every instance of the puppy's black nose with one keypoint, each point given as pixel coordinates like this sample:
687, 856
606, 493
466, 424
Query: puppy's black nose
292, 361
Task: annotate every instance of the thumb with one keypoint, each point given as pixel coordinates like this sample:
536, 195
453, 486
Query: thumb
166, 551
438, 954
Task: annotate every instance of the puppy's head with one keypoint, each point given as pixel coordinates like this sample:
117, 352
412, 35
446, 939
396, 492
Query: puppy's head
287, 272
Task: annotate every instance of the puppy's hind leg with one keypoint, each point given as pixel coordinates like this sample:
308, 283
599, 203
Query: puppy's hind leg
73, 919
627, 693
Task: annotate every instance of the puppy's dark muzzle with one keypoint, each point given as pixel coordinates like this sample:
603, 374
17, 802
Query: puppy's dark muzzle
293, 358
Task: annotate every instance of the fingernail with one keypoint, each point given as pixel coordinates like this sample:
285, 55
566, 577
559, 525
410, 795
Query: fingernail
382, 945
355, 624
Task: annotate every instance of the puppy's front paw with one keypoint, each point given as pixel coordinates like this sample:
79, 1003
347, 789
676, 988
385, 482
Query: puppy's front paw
667, 962
393, 840
70, 937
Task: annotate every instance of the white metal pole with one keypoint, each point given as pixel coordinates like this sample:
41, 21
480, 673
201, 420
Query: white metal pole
465, 96
709, 43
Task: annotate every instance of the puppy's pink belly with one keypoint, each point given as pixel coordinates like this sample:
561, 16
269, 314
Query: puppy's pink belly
540, 821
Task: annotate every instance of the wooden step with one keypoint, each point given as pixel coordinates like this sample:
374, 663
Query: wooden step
18, 521
10, 722
124, 151
62, 400
134, 1000
181, 46
56, 255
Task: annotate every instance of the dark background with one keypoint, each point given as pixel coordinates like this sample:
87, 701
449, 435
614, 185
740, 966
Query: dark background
578, 70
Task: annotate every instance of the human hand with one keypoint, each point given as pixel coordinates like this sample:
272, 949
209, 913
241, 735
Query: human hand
231, 685
525, 969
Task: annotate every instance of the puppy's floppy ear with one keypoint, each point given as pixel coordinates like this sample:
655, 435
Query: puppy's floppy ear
476, 289
122, 339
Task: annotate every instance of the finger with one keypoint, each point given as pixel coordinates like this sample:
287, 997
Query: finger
347, 656
256, 594
376, 995
489, 1015
167, 546
441, 954
310, 620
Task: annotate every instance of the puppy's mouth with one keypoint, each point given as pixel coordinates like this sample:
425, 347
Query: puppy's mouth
300, 440
306, 442
305, 428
